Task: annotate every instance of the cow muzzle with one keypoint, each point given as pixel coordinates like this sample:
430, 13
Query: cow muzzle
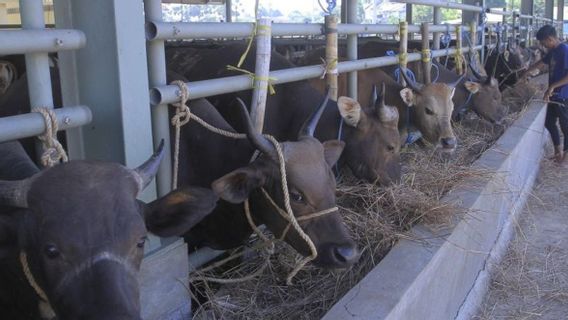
449, 144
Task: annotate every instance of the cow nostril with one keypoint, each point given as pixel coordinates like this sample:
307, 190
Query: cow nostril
345, 253
448, 142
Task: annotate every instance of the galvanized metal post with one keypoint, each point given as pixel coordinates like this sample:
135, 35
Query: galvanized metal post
403, 48
436, 36
331, 58
352, 48
409, 18
514, 26
37, 64
228, 12
262, 70
156, 57
426, 62
560, 18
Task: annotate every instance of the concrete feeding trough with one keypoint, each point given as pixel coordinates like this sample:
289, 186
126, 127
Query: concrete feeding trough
445, 273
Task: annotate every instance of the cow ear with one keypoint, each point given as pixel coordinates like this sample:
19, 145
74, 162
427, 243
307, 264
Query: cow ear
332, 151
471, 86
8, 236
350, 110
236, 186
178, 211
408, 96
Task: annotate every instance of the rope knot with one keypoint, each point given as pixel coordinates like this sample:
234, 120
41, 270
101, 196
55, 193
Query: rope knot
53, 150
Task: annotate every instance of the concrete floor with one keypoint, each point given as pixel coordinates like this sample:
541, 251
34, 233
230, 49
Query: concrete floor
532, 280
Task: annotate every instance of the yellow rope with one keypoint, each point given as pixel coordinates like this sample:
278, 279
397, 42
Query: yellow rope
426, 55
330, 67
53, 150
254, 77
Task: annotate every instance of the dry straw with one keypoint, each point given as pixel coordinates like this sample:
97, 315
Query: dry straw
377, 218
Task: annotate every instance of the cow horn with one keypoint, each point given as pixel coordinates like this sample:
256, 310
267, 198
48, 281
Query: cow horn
255, 138
15, 193
386, 114
146, 171
476, 74
374, 95
413, 85
455, 83
309, 127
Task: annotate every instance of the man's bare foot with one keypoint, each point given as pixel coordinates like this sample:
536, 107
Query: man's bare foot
559, 157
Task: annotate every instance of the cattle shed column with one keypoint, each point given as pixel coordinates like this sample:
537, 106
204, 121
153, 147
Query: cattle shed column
468, 16
352, 48
549, 9
110, 76
526, 9
560, 17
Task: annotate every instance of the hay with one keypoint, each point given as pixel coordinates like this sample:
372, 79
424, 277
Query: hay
377, 218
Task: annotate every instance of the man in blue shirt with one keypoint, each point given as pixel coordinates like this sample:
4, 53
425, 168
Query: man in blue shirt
557, 93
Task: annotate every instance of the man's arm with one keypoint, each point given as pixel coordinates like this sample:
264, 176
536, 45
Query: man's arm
555, 85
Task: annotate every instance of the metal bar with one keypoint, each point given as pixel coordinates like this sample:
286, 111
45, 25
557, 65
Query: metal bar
156, 56
262, 69
228, 12
33, 124
37, 64
449, 5
352, 49
156, 30
205, 88
33, 41
499, 12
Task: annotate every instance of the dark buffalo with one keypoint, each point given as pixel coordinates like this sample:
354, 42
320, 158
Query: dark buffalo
208, 158
81, 231
372, 143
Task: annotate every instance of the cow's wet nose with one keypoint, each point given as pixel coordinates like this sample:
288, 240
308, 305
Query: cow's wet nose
347, 254
449, 143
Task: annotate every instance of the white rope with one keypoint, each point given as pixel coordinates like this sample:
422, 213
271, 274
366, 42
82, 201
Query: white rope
53, 150
44, 306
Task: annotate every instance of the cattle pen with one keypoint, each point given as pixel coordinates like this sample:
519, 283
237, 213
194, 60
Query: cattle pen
111, 58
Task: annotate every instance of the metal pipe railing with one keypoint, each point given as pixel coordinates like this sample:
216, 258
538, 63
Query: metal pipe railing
205, 88
156, 56
33, 124
18, 41
439, 4
156, 30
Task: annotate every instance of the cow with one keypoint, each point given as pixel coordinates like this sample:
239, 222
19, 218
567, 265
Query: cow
505, 64
72, 236
372, 142
209, 159
427, 107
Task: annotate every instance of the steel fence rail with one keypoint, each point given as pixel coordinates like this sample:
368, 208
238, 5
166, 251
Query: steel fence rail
28, 41
33, 124
160, 31
205, 88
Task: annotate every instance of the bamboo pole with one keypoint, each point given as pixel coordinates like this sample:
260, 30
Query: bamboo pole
331, 57
403, 48
426, 62
262, 70
458, 56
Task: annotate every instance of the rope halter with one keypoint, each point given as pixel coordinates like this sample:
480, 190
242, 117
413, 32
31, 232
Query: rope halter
53, 150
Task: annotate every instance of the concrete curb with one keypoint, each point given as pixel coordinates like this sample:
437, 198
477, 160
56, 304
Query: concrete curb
446, 273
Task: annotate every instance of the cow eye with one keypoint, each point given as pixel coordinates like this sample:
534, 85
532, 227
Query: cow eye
429, 111
390, 148
51, 251
296, 196
141, 242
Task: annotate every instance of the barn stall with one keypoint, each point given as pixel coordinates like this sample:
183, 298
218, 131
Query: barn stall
111, 81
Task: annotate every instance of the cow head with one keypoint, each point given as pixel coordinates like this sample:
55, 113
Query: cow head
486, 97
311, 186
432, 108
83, 232
372, 149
